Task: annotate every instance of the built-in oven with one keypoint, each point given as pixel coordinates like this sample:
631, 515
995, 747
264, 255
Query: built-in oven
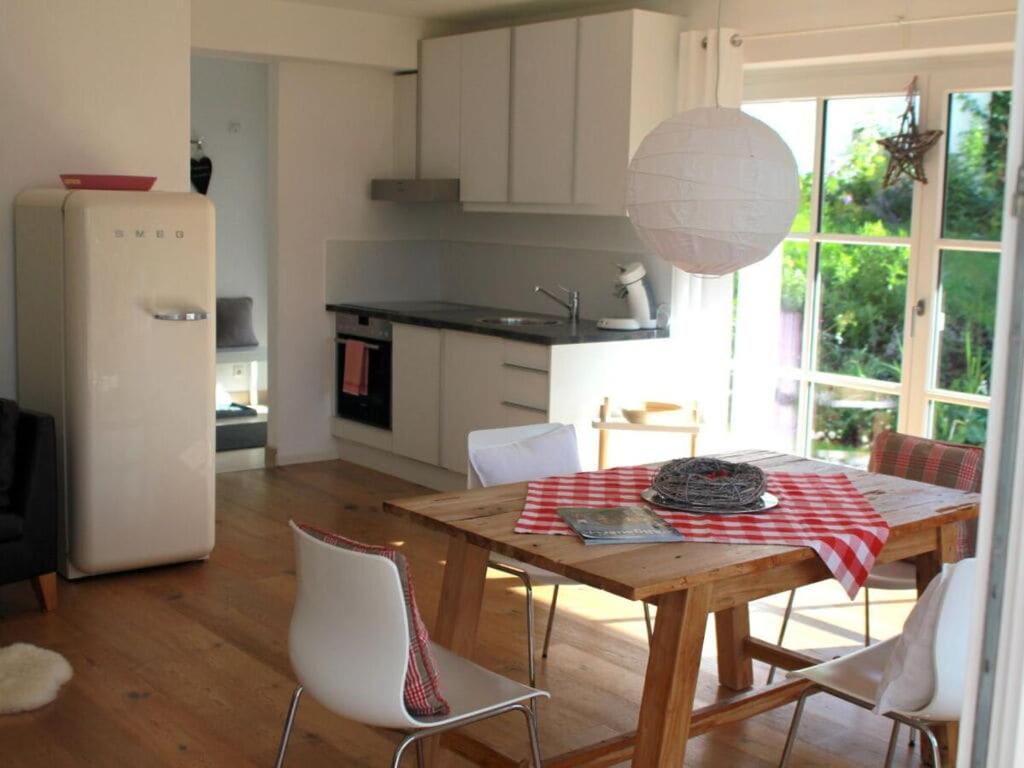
372, 404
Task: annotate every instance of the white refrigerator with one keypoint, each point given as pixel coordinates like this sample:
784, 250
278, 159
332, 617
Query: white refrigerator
115, 294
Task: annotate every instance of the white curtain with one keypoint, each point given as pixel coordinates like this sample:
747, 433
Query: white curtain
699, 65
702, 307
759, 331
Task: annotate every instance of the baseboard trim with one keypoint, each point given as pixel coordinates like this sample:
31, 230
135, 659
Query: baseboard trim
283, 459
413, 471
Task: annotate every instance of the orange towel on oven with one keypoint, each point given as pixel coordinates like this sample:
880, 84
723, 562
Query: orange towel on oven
355, 378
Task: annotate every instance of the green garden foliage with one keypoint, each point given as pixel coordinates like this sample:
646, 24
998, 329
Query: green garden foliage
864, 287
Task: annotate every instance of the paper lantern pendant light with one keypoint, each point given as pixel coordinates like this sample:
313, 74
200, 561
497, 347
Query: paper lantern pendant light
712, 190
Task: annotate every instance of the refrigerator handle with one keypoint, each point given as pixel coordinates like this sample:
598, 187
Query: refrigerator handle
182, 315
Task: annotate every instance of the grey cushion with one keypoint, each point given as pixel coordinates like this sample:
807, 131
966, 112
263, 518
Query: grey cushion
234, 323
10, 527
8, 434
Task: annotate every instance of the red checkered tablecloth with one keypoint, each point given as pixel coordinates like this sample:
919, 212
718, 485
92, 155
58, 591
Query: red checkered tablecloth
824, 512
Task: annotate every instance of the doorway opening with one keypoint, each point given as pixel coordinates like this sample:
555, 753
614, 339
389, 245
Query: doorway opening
229, 164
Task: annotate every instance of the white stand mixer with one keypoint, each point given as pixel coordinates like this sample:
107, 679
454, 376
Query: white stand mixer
633, 286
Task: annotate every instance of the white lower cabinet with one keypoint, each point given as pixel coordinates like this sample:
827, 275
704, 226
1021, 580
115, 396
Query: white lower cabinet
445, 384
416, 392
471, 386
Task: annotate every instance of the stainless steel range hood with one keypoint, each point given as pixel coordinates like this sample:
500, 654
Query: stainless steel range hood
415, 190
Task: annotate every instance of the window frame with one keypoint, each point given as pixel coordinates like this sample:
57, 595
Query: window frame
938, 78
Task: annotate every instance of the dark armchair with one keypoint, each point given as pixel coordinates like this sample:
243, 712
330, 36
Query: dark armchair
28, 502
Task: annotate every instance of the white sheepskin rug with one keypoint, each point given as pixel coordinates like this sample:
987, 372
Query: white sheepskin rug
30, 677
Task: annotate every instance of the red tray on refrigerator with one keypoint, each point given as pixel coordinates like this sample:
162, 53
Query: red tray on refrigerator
106, 181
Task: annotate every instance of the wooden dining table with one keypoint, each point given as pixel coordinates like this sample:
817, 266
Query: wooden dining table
688, 582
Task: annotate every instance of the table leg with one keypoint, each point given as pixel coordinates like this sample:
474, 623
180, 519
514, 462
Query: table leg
735, 664
929, 565
458, 613
671, 680
602, 435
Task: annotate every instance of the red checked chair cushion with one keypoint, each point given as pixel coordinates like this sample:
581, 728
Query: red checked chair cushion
422, 689
931, 461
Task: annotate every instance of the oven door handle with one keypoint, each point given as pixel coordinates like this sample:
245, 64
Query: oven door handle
368, 345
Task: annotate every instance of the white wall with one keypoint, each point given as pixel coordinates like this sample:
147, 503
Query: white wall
333, 134
89, 86
830, 29
495, 259
229, 110
839, 30
383, 270
307, 31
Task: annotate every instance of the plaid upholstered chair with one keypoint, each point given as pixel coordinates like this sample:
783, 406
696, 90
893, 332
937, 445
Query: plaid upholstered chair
927, 461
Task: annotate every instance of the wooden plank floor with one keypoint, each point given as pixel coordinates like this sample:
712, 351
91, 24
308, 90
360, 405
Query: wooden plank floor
187, 665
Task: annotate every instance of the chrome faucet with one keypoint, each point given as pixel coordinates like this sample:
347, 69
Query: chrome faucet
572, 305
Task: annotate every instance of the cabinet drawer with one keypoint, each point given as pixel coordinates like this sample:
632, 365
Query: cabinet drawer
525, 355
519, 416
525, 387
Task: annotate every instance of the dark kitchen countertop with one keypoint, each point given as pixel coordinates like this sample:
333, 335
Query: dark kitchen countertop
466, 317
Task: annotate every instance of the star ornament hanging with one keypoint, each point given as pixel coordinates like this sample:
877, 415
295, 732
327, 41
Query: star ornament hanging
908, 147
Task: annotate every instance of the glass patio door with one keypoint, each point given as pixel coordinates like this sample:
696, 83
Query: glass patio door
876, 312
957, 261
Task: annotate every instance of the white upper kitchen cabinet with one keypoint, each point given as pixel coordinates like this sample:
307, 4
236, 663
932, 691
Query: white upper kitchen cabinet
439, 85
543, 111
628, 70
484, 115
544, 118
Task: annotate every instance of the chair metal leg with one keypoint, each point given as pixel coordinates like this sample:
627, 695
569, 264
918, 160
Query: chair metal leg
867, 617
531, 726
794, 726
418, 736
530, 661
782, 629
893, 738
421, 757
396, 760
650, 624
934, 743
524, 577
551, 622
288, 723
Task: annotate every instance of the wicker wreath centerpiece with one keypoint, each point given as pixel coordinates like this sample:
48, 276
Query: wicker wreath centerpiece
709, 483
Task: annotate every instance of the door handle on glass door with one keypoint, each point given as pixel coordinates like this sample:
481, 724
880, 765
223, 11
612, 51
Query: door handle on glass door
182, 315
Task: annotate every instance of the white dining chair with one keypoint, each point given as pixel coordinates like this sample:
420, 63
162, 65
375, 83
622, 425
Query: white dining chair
855, 677
899, 575
530, 575
928, 461
349, 648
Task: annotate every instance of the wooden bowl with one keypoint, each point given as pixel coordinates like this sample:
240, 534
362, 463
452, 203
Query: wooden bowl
654, 412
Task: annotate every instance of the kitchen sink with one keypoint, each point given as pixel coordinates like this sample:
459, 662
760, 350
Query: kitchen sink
518, 320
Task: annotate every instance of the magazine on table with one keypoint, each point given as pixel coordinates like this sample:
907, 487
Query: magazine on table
618, 525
